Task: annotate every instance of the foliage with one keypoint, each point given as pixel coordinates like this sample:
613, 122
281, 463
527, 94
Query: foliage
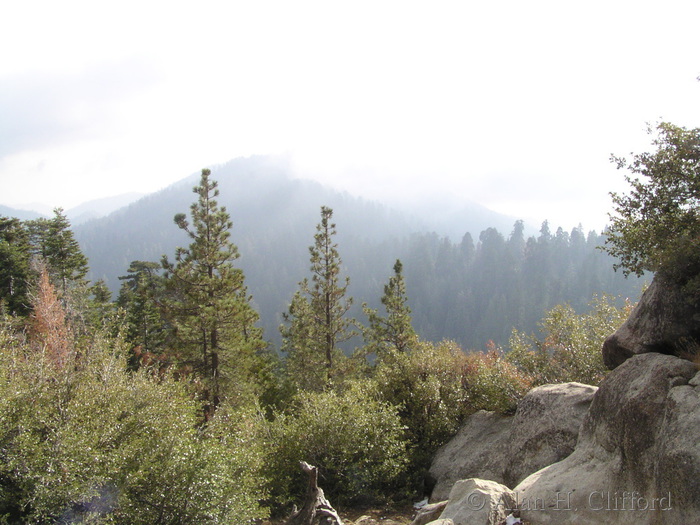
571, 348
355, 439
146, 327
395, 331
14, 265
492, 383
53, 240
656, 227
208, 303
426, 386
316, 319
96, 444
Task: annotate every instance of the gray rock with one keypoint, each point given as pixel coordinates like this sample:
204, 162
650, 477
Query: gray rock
429, 513
637, 460
477, 451
506, 449
545, 428
479, 502
663, 321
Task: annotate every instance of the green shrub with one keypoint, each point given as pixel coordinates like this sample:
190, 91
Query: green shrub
92, 443
572, 346
354, 439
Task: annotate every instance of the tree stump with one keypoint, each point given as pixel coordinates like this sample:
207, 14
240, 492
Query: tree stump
316, 509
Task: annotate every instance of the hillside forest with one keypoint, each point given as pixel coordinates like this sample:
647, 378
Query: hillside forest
170, 403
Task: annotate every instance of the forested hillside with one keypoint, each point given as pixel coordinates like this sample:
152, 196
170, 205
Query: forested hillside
472, 291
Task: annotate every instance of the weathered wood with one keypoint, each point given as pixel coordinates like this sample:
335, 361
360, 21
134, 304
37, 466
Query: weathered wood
316, 509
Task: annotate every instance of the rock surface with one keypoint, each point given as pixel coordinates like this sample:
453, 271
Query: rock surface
478, 502
637, 460
506, 449
429, 513
477, 451
545, 428
663, 321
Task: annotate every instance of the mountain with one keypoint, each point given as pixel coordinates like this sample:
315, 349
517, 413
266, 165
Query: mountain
24, 215
100, 207
462, 283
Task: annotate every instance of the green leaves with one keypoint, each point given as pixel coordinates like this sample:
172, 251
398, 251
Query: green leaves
655, 227
99, 444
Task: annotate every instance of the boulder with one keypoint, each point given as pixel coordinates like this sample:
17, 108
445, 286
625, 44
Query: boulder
479, 502
637, 460
506, 449
429, 513
545, 428
477, 451
664, 320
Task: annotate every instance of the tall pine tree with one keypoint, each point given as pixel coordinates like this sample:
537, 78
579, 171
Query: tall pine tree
317, 319
393, 333
208, 304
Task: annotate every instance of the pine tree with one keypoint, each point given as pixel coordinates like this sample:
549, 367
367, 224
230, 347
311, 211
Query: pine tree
395, 331
15, 256
145, 325
53, 240
208, 303
317, 320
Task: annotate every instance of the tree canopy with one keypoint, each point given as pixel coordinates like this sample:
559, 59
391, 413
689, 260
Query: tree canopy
656, 226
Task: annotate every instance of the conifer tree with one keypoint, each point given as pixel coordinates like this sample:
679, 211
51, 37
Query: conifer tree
395, 331
208, 303
145, 326
317, 320
14, 265
53, 240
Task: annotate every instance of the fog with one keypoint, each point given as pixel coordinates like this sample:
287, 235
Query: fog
515, 106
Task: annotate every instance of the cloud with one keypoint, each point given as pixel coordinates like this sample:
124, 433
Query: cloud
50, 108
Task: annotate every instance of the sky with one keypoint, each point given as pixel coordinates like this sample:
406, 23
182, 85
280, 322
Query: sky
517, 105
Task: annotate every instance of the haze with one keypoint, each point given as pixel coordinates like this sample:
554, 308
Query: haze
515, 105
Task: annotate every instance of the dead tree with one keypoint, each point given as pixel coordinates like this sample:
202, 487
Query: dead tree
316, 509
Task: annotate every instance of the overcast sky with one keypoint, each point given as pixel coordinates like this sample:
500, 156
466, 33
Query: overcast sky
514, 104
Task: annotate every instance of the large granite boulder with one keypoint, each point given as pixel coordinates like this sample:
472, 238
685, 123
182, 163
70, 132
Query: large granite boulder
506, 449
665, 320
637, 460
545, 428
477, 451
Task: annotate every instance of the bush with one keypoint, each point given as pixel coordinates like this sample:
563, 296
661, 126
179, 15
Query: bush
492, 383
571, 348
426, 386
93, 443
354, 439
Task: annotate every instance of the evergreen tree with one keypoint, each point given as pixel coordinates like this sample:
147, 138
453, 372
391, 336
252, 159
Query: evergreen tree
317, 321
395, 331
145, 325
14, 265
208, 303
53, 240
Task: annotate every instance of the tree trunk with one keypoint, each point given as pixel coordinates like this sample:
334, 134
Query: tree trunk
316, 509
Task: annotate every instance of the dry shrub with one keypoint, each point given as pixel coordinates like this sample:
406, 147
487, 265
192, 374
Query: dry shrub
492, 383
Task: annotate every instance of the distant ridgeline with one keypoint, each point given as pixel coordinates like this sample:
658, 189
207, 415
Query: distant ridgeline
470, 291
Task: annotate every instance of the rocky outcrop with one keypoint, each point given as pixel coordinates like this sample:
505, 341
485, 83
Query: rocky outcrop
664, 320
479, 502
637, 460
545, 428
506, 449
477, 451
